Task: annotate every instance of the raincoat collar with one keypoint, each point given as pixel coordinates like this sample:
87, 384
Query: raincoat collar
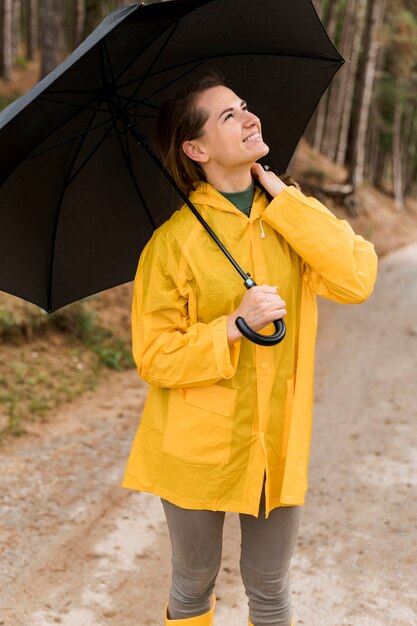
205, 194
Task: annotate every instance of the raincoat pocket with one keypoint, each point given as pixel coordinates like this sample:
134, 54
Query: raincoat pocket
199, 424
287, 416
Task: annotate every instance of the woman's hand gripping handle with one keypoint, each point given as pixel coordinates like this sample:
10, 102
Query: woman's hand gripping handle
261, 305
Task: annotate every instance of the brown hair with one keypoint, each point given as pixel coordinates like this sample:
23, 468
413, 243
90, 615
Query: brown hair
179, 120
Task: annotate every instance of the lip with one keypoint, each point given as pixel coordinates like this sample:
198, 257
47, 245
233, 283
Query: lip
252, 133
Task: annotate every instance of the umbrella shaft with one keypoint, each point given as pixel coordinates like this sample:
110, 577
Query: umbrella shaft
141, 139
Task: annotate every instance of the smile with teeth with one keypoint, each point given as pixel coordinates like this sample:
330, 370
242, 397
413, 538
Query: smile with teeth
252, 137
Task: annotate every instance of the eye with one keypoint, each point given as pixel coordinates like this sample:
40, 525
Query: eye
244, 108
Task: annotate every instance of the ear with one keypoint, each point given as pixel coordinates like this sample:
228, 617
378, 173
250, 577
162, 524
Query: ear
194, 151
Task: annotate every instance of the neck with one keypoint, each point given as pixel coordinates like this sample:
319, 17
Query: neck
230, 180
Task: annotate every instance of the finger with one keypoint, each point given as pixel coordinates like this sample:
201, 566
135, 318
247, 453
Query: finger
272, 298
277, 313
272, 307
267, 288
257, 169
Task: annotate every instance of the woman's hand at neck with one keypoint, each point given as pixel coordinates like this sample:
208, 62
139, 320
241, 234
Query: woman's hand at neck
269, 181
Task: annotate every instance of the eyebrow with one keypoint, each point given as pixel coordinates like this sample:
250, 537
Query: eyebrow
231, 109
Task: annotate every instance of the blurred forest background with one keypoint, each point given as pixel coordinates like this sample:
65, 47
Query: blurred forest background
367, 119
358, 156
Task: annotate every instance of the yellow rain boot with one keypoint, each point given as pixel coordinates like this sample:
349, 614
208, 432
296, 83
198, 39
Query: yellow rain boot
292, 621
206, 619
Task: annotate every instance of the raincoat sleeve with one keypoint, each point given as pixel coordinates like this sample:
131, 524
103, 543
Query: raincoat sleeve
337, 263
169, 350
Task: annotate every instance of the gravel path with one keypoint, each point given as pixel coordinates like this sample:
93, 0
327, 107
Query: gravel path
78, 550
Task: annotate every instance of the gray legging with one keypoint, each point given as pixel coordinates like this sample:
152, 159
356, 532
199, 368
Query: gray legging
266, 549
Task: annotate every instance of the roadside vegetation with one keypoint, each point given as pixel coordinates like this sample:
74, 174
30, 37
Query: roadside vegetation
51, 359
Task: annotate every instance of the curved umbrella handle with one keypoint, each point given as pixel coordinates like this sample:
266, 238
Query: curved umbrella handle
262, 340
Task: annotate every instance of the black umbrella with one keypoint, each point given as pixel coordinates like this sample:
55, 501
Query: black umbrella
78, 199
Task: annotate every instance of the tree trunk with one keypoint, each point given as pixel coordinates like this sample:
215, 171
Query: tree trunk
93, 15
339, 85
382, 171
6, 56
397, 156
403, 137
411, 184
411, 148
346, 118
79, 21
321, 112
374, 146
32, 32
317, 6
52, 35
376, 11
372, 152
16, 27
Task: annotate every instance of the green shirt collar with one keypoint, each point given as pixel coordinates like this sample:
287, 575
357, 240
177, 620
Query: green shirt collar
241, 199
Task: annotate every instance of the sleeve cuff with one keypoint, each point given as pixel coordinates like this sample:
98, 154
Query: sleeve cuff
227, 356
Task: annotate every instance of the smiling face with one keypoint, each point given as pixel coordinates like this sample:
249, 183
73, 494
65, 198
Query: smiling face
231, 138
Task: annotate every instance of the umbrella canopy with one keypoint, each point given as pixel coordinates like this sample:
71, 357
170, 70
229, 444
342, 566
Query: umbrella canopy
78, 198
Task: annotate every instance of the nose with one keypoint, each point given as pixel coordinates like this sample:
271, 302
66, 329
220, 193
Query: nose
251, 118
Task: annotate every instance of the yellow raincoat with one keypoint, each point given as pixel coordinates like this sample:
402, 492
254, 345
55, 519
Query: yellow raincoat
218, 416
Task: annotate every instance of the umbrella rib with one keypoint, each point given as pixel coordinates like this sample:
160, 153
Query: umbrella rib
126, 156
72, 104
58, 213
104, 51
104, 55
68, 119
90, 108
129, 65
191, 69
141, 115
71, 91
92, 153
231, 54
199, 62
161, 50
137, 102
62, 143
51, 132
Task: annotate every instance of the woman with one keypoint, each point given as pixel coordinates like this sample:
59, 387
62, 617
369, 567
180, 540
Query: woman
227, 423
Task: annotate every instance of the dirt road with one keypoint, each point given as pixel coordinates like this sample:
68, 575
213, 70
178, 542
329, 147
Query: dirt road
78, 550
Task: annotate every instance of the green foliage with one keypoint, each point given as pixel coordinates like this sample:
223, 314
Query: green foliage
6, 100
35, 380
80, 321
75, 319
400, 42
21, 322
9, 327
115, 355
314, 173
14, 422
21, 62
